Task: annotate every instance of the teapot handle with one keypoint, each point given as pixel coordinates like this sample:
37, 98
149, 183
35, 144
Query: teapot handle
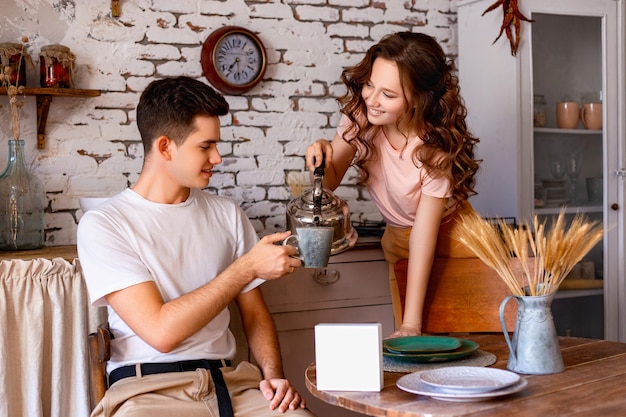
318, 190
319, 171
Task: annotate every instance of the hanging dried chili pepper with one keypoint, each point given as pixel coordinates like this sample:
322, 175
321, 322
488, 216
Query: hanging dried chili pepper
511, 17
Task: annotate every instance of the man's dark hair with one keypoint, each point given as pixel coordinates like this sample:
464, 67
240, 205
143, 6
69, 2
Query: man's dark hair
168, 107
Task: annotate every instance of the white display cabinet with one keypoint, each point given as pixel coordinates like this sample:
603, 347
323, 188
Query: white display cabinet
573, 50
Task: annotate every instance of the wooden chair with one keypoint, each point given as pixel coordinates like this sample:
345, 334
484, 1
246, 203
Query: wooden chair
464, 296
99, 354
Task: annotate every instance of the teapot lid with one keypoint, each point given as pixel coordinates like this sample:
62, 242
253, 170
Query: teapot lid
304, 205
308, 196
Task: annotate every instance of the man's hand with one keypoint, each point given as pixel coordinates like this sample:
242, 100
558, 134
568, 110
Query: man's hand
269, 259
281, 394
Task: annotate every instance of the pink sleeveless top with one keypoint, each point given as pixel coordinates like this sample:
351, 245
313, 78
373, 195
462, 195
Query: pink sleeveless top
396, 184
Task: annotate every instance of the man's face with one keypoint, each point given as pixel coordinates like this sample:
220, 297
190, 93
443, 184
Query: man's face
193, 161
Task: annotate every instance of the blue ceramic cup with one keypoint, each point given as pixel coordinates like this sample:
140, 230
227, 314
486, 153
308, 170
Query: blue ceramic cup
313, 244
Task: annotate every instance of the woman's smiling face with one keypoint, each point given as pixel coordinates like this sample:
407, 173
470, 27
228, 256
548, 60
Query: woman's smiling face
383, 94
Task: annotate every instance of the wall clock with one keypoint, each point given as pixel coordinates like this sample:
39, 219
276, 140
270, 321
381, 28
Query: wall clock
233, 59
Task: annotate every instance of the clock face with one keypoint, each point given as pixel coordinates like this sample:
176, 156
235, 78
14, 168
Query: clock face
238, 59
233, 59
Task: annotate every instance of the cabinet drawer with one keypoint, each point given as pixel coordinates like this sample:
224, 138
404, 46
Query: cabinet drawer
303, 320
341, 284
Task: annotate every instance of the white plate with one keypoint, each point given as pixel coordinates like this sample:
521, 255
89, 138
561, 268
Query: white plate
413, 384
469, 379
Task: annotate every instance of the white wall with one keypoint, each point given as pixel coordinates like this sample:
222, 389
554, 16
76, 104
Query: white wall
93, 147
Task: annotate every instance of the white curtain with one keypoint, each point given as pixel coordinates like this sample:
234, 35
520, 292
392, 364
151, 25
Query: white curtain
45, 317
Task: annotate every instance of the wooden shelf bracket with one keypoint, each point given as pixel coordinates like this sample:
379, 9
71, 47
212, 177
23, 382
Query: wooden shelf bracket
115, 8
44, 98
43, 105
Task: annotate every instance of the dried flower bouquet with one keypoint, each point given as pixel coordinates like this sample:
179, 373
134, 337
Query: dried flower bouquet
14, 92
546, 255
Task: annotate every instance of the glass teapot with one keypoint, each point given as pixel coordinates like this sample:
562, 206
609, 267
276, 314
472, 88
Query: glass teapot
317, 206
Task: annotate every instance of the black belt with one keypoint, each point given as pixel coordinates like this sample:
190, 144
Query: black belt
223, 398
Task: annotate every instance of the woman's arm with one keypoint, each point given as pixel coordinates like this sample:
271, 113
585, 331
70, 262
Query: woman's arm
422, 245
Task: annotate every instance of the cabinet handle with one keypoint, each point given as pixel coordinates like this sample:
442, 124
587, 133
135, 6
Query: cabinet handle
326, 276
615, 206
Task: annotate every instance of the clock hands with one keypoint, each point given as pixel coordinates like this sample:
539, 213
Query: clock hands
230, 69
233, 64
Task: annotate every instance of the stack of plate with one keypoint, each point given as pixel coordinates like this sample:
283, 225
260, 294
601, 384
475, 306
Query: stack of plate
425, 349
556, 191
462, 383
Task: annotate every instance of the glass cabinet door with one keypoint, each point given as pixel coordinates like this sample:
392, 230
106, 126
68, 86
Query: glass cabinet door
573, 52
568, 148
569, 136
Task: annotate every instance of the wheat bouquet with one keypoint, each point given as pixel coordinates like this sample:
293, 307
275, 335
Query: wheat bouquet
546, 255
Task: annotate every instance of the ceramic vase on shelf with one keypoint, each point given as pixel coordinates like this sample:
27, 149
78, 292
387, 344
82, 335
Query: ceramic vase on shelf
22, 200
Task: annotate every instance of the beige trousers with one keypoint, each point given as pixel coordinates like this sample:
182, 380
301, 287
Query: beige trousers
189, 394
395, 244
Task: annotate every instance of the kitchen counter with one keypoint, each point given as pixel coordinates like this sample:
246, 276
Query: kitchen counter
68, 253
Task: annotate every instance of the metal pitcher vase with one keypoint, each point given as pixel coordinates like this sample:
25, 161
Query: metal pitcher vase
535, 346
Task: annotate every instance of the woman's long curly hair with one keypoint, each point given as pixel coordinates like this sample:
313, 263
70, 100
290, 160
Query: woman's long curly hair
435, 109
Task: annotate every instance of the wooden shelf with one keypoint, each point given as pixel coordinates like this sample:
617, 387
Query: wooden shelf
44, 98
559, 131
576, 207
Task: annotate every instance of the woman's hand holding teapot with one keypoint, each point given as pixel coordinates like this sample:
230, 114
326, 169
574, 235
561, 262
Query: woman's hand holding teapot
320, 151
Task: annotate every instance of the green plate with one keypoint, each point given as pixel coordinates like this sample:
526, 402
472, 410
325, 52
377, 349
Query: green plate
467, 347
421, 344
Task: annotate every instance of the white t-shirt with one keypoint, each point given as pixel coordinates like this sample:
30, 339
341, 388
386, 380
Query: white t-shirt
395, 183
129, 240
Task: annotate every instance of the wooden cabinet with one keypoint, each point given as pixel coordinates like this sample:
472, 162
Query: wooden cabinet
354, 288
572, 48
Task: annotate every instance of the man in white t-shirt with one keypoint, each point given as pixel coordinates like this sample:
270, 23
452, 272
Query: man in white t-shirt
167, 258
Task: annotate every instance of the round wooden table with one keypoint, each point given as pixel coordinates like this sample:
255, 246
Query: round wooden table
593, 384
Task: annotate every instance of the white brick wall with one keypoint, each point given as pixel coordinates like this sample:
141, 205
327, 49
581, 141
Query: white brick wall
93, 147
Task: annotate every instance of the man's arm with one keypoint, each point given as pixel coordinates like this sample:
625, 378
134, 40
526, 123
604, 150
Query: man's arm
261, 333
263, 341
165, 325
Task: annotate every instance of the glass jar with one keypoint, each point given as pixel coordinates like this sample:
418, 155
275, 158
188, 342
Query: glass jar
56, 63
539, 110
22, 202
12, 64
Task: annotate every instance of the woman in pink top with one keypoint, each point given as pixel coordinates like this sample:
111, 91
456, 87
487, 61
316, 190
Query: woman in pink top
403, 127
